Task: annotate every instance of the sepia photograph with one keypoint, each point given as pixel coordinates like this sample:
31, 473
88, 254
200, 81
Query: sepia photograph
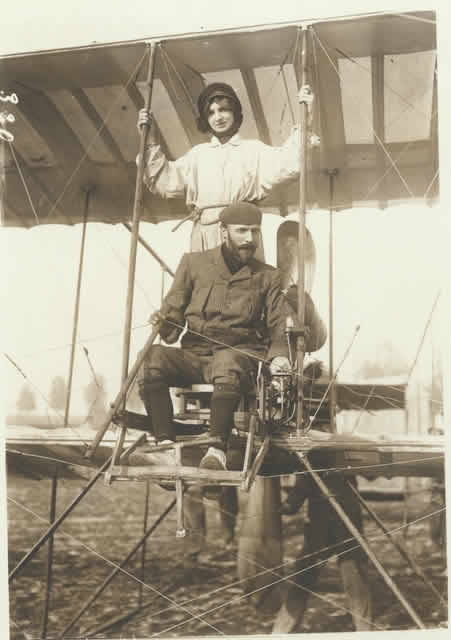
185, 186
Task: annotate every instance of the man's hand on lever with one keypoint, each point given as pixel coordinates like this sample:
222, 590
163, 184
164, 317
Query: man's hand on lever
156, 319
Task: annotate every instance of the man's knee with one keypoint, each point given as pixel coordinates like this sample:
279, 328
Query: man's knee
229, 367
155, 370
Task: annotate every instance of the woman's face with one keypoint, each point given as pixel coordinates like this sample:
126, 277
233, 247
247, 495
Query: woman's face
220, 116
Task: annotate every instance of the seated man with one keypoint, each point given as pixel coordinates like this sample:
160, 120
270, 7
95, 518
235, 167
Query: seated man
235, 313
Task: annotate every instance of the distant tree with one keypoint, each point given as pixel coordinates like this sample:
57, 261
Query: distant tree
389, 362
95, 397
26, 400
58, 393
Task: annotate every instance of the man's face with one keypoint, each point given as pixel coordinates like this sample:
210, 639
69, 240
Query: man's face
220, 116
242, 240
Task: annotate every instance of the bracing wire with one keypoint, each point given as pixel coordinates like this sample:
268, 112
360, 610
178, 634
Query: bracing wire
423, 337
97, 134
377, 137
294, 574
360, 468
22, 177
81, 341
187, 92
271, 570
46, 400
307, 568
111, 563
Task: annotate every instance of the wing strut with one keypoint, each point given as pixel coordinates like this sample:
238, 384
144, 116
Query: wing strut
363, 543
76, 310
332, 174
300, 342
127, 378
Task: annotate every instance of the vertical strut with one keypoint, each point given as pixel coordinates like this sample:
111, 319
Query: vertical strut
136, 217
127, 378
332, 173
363, 543
48, 586
117, 569
143, 548
137, 207
76, 310
58, 521
401, 548
300, 342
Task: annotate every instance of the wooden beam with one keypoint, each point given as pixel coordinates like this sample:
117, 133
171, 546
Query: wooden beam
47, 120
91, 112
434, 189
394, 148
250, 83
137, 99
377, 84
190, 475
181, 97
36, 187
105, 134
332, 131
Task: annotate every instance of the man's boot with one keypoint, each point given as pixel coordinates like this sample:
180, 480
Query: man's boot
224, 401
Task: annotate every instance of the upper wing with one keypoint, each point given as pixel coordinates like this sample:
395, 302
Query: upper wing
375, 111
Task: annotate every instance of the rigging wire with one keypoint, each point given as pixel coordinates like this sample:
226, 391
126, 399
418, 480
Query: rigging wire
22, 177
408, 104
360, 468
333, 378
292, 575
187, 92
397, 158
376, 136
110, 562
326, 470
97, 133
423, 337
47, 402
164, 56
175, 605
431, 183
80, 341
21, 630
430, 515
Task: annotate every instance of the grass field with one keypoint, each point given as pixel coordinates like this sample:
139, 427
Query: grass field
185, 578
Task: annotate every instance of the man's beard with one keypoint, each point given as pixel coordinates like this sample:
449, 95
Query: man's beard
242, 252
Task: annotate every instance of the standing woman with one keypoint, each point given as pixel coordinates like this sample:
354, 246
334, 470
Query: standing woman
225, 170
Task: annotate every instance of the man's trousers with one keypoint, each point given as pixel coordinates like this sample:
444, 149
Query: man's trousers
230, 370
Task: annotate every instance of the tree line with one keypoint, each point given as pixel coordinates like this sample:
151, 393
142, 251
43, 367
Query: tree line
94, 395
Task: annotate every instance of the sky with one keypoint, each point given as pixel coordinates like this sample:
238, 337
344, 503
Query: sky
30, 25
389, 265
388, 269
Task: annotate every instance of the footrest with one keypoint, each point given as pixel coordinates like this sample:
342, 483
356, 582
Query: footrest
140, 422
189, 475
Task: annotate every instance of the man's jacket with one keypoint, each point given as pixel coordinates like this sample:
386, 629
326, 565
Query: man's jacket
245, 310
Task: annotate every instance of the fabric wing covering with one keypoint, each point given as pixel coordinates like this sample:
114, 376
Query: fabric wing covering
375, 111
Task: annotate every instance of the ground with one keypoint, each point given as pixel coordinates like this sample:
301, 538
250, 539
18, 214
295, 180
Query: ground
184, 579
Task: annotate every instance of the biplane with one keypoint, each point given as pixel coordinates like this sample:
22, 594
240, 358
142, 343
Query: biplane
69, 159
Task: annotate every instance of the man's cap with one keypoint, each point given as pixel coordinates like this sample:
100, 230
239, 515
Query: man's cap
216, 90
241, 213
